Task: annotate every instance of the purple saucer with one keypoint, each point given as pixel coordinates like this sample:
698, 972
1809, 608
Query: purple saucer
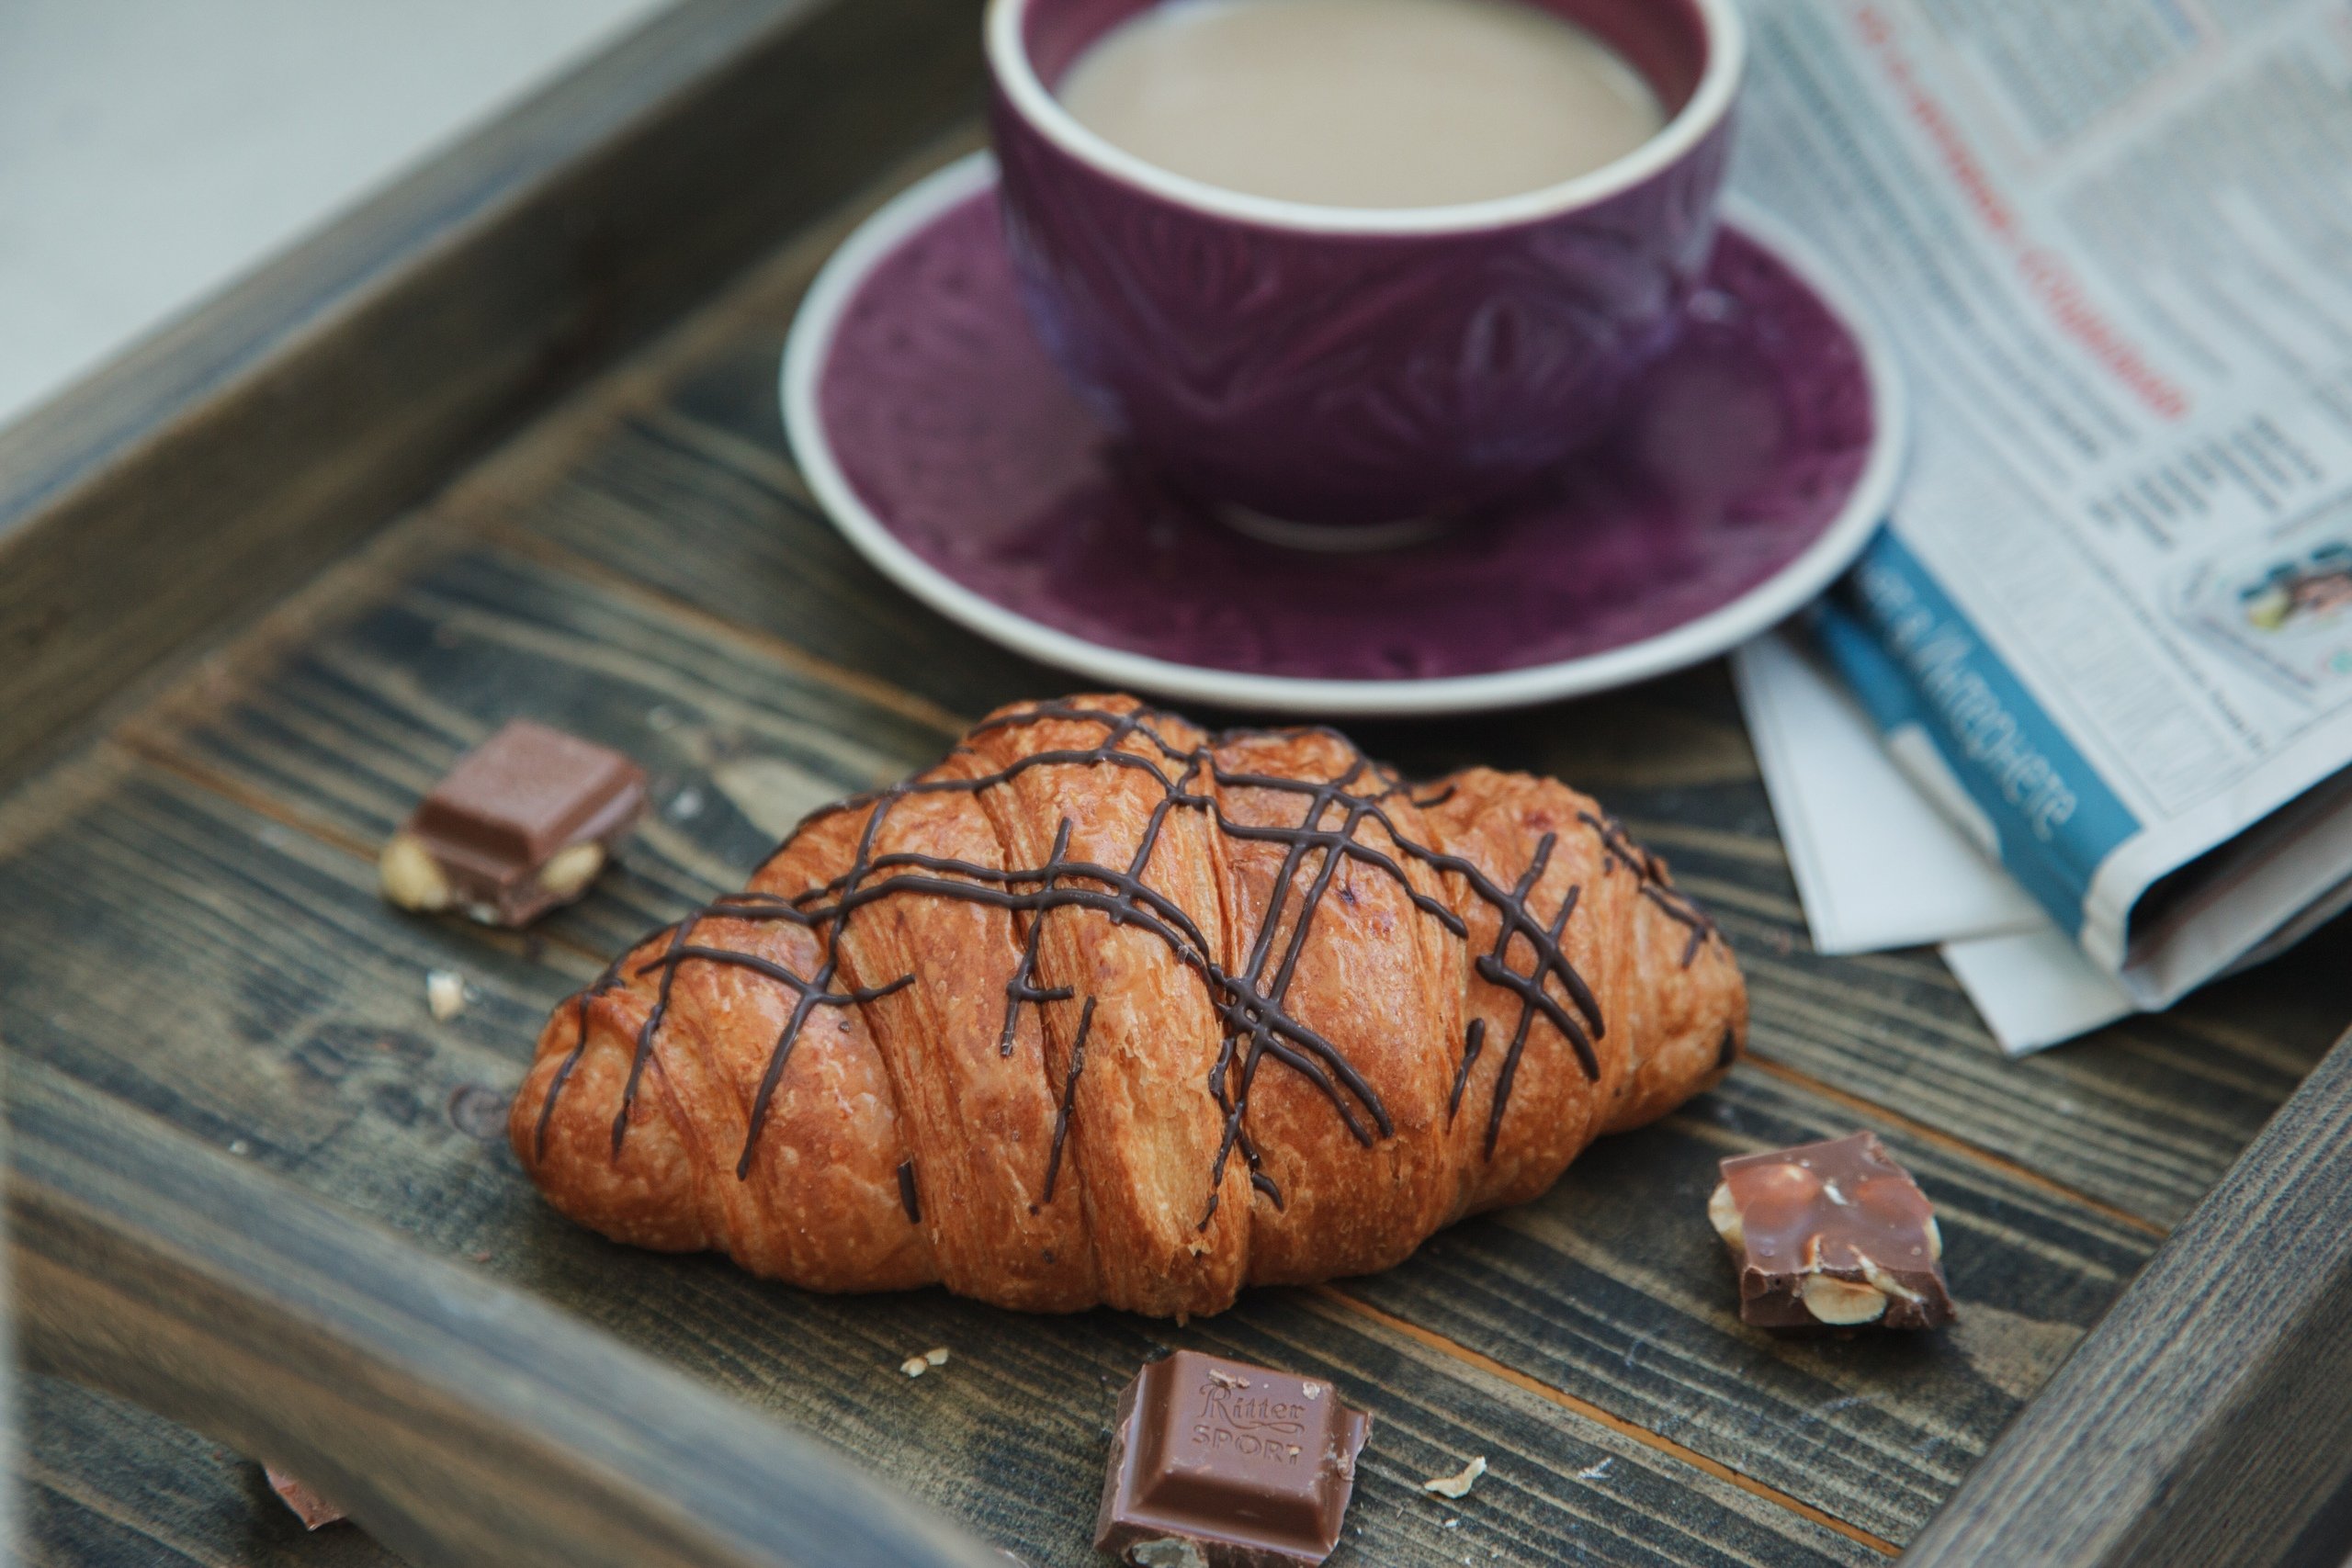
1749, 472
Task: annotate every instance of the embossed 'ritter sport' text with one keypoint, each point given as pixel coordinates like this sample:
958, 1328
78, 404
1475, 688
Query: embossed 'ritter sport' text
1232, 1421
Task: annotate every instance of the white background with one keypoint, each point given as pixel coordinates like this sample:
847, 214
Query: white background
153, 149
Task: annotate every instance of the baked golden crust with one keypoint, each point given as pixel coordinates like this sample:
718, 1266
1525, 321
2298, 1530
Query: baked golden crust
1142, 1135
1350, 1127
979, 1104
1528, 1102
1106, 1010
818, 1200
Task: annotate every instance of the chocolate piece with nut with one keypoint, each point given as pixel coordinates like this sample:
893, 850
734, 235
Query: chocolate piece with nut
522, 823
1221, 1464
1831, 1234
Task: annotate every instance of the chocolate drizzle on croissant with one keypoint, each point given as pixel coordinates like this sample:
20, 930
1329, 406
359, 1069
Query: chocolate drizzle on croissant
1351, 818
1251, 1007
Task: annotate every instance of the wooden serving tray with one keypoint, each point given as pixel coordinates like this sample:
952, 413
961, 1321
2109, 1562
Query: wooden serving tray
506, 442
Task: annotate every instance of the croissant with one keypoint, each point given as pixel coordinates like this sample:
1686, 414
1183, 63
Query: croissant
1105, 1008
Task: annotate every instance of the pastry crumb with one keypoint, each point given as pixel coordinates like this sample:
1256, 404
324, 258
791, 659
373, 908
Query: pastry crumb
915, 1366
1459, 1483
936, 1355
445, 994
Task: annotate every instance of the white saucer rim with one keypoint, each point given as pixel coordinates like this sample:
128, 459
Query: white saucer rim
1704, 636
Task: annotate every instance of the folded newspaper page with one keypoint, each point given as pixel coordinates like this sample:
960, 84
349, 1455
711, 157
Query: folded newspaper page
1879, 865
2109, 623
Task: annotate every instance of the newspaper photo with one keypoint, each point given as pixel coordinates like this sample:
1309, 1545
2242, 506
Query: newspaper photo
2112, 608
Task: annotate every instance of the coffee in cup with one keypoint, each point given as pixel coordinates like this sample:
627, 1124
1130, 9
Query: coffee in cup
1363, 103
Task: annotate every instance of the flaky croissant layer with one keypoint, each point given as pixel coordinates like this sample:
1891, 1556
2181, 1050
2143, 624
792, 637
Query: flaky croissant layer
1108, 1009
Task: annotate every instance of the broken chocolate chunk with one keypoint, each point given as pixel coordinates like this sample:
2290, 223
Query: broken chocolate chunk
314, 1511
1221, 1464
523, 822
1831, 1234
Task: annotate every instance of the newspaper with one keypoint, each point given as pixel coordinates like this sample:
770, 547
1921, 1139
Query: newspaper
2110, 622
1879, 865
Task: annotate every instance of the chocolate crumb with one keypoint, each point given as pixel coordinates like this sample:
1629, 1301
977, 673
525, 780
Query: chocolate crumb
314, 1511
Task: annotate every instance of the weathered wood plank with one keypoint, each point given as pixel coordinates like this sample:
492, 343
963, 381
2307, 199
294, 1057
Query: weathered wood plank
112, 1486
243, 447
61, 1531
2144, 1115
2204, 1421
656, 482
346, 728
1607, 1486
459, 1421
275, 1005
217, 950
1614, 1288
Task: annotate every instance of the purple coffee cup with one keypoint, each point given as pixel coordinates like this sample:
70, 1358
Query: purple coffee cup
1344, 365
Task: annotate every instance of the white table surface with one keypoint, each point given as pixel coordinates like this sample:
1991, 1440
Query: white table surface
152, 150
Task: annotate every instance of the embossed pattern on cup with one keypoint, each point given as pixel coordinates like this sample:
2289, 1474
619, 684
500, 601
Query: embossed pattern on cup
1326, 366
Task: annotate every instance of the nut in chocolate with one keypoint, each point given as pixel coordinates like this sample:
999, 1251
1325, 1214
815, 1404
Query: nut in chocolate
1831, 1234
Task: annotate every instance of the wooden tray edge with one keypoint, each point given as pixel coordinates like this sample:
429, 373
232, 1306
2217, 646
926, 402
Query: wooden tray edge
459, 1420
2208, 1418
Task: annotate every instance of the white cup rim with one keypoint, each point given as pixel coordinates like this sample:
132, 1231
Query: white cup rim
1710, 103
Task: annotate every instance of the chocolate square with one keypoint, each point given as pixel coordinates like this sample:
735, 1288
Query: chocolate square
525, 793
1832, 1234
1250, 1468
522, 823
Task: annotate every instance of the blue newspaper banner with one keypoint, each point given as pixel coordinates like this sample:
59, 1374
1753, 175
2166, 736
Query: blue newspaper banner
1924, 662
